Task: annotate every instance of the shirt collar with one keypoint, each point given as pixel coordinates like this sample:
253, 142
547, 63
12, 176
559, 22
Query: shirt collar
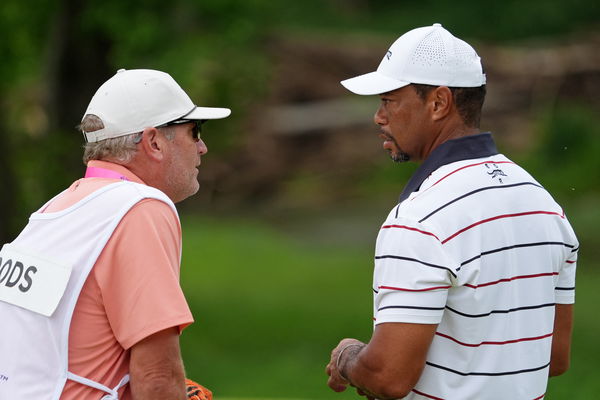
117, 168
462, 148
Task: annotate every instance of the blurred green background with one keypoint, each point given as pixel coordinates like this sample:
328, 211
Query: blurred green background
278, 244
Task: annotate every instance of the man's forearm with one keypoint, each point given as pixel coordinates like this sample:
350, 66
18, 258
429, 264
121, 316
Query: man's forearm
561, 341
156, 369
159, 385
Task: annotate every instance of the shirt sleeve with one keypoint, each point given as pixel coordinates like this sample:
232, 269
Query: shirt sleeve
412, 274
564, 290
140, 288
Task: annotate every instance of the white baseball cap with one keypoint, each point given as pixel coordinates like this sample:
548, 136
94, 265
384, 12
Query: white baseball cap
133, 100
430, 55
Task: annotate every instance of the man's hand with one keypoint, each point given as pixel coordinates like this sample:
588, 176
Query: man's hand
336, 381
388, 367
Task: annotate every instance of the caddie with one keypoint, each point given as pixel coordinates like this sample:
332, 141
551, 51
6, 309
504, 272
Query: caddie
474, 274
90, 300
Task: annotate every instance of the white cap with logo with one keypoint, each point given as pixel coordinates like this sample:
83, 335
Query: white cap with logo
430, 55
133, 100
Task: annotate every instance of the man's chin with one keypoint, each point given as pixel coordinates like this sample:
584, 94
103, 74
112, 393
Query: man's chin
399, 157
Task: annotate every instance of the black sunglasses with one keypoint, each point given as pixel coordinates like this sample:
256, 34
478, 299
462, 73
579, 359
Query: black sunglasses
196, 130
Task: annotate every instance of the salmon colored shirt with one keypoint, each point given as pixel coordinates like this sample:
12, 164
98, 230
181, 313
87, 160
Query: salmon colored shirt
131, 293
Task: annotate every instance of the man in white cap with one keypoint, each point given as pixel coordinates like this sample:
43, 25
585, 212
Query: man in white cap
89, 291
475, 267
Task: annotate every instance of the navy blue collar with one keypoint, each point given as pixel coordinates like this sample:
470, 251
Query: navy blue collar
462, 148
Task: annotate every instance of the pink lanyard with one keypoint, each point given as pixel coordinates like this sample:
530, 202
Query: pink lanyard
93, 172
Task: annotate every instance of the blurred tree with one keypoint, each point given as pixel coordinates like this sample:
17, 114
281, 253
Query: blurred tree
76, 60
57, 52
565, 157
19, 30
55, 66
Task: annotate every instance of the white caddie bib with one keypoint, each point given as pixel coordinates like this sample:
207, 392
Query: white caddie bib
31, 282
41, 275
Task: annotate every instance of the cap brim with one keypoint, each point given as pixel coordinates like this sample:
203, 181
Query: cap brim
372, 83
207, 113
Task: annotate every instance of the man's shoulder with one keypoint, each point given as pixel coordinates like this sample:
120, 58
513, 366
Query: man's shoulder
468, 189
145, 199
145, 191
152, 211
461, 178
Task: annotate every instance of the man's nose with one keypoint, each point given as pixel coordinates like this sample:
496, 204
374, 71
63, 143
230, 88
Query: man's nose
202, 149
379, 118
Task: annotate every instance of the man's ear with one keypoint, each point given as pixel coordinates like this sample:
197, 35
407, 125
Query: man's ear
441, 102
152, 144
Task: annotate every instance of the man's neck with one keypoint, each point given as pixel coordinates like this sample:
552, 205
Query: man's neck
449, 132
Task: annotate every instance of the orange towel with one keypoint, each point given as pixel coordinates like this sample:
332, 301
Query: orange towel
195, 391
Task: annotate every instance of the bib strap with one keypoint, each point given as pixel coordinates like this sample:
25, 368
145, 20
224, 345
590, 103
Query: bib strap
113, 394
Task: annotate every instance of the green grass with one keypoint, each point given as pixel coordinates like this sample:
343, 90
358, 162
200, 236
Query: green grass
268, 308
581, 382
271, 302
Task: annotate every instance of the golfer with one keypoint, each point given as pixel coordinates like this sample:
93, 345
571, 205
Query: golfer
475, 267
90, 301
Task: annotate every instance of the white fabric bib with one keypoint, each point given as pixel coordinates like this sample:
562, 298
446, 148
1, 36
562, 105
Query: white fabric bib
41, 275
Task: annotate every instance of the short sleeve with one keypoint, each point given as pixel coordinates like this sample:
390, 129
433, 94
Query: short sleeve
565, 284
412, 274
140, 287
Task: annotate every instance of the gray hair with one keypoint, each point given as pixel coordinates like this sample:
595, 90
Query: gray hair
120, 150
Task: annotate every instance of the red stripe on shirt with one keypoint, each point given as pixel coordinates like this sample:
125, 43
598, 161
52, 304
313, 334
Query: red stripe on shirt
511, 279
495, 343
499, 217
410, 229
541, 397
427, 395
414, 290
570, 262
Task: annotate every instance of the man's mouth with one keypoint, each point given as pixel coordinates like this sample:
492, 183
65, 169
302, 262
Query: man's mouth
387, 139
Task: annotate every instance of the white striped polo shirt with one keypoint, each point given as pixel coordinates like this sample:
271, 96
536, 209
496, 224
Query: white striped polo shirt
479, 247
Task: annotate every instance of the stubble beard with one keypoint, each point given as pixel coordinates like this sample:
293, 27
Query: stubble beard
400, 157
183, 185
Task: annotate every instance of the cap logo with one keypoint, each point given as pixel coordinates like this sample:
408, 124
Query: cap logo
388, 55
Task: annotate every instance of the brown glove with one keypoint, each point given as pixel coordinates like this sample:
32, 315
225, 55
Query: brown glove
195, 391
